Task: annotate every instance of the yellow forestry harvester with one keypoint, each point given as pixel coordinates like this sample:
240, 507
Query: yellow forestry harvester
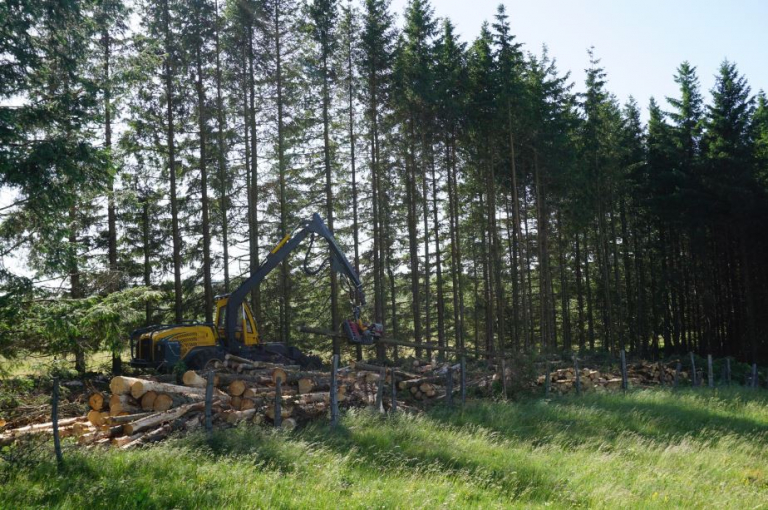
234, 332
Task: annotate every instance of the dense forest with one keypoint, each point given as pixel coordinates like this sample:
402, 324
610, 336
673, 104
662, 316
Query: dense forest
153, 151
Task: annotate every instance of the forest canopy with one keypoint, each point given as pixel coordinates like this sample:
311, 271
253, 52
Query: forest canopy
153, 151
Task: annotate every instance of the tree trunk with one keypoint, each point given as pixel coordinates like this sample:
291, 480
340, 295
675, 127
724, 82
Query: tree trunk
411, 198
177, 292
147, 266
253, 205
427, 272
75, 289
579, 293
334, 318
221, 156
114, 276
438, 263
352, 160
207, 284
285, 283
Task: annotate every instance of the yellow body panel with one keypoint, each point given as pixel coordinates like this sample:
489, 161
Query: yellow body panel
188, 337
200, 335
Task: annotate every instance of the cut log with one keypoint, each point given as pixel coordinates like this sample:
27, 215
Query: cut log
259, 364
141, 386
236, 388
268, 392
96, 400
193, 379
233, 417
154, 435
288, 424
123, 404
48, 425
279, 373
82, 427
124, 440
237, 359
311, 398
97, 417
158, 418
118, 420
285, 408
11, 435
112, 431
257, 378
88, 438
311, 384
162, 403
165, 401
121, 385
405, 385
306, 385
148, 400
368, 377
251, 403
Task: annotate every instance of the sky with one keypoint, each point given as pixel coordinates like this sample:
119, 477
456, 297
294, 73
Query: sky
640, 42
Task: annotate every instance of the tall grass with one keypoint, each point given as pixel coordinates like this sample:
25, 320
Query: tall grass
646, 449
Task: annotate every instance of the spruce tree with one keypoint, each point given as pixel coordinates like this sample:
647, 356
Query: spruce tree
324, 15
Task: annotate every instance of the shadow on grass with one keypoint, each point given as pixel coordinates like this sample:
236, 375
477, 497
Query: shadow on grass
401, 447
108, 480
659, 416
460, 447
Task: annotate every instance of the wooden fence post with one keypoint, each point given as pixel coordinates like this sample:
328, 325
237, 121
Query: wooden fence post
334, 392
449, 386
728, 370
710, 374
55, 423
463, 380
380, 390
693, 370
624, 379
209, 401
578, 375
278, 402
547, 381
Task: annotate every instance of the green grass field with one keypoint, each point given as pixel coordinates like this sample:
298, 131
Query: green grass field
649, 449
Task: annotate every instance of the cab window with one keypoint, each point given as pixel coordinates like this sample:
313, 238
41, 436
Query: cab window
241, 314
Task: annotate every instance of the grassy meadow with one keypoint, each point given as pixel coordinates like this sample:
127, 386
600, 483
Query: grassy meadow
648, 449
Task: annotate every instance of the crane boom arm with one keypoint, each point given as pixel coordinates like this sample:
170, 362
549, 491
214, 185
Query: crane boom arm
279, 253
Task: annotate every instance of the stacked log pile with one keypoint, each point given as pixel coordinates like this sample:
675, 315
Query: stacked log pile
563, 380
143, 410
